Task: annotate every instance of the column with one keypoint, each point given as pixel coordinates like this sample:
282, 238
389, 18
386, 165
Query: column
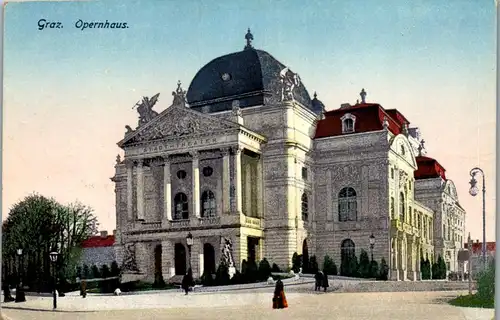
167, 259
130, 191
167, 190
195, 186
260, 188
237, 179
248, 189
140, 190
226, 181
394, 264
329, 198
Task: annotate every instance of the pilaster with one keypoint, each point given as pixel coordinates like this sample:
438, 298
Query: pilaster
196, 184
237, 180
167, 259
329, 195
248, 189
260, 187
167, 190
226, 181
140, 190
130, 192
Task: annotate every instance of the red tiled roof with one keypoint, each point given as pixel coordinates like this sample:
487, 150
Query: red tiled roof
369, 117
398, 116
477, 247
429, 168
98, 241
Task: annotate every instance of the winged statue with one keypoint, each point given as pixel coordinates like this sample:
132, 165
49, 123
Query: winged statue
145, 109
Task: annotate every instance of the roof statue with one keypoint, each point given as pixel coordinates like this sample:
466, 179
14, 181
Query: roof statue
236, 108
289, 81
363, 95
118, 159
227, 252
421, 148
385, 124
179, 95
249, 39
145, 109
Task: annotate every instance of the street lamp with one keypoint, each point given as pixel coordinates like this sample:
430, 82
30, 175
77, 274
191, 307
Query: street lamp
53, 258
20, 297
473, 192
189, 242
372, 244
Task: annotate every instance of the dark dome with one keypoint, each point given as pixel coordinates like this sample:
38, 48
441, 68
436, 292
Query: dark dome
317, 106
250, 76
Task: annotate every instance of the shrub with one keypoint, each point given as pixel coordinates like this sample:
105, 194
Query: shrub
79, 272
252, 272
364, 264
296, 262
264, 269
86, 273
486, 283
313, 265
275, 268
329, 266
207, 279
237, 278
374, 272
425, 268
383, 272
222, 275
349, 266
115, 269
95, 272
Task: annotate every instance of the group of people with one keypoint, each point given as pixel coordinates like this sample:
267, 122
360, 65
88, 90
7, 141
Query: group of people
321, 281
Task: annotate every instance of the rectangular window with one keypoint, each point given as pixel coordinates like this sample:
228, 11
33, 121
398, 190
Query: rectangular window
304, 173
392, 208
392, 173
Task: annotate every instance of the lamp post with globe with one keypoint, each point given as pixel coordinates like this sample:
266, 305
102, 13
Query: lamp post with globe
189, 242
474, 190
372, 244
53, 258
20, 297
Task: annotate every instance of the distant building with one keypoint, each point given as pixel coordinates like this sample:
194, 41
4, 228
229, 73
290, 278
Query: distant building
477, 254
98, 250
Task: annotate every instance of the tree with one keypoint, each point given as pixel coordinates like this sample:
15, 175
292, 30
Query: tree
364, 264
40, 225
442, 268
296, 262
329, 267
374, 271
86, 273
313, 265
264, 269
425, 268
383, 270
222, 275
486, 283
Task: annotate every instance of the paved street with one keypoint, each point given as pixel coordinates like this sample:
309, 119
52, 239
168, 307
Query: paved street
257, 305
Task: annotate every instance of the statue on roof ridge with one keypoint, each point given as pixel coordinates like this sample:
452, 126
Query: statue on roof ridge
179, 95
145, 109
289, 80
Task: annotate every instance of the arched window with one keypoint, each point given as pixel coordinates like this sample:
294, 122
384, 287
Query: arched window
208, 204
305, 207
348, 122
348, 210
347, 250
402, 207
181, 207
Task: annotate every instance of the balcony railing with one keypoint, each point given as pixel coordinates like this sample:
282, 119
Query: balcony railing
150, 225
179, 223
209, 221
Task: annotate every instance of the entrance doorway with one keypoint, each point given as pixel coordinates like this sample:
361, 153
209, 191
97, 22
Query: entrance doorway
252, 249
180, 259
158, 275
208, 258
305, 256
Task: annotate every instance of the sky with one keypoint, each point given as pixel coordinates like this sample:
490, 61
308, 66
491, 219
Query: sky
68, 92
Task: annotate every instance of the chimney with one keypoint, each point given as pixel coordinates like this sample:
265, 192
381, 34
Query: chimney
104, 234
345, 105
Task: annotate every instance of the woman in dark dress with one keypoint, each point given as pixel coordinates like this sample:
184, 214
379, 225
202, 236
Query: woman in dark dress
319, 280
279, 299
187, 281
324, 283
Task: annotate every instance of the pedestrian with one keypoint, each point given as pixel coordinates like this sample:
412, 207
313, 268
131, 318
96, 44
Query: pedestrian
279, 298
187, 281
325, 281
319, 279
83, 288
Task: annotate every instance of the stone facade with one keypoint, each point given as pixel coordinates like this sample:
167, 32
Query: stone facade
260, 177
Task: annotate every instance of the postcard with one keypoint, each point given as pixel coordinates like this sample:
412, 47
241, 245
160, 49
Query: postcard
226, 160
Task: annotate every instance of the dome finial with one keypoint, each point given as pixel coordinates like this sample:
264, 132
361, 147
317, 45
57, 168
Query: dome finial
249, 38
315, 95
363, 95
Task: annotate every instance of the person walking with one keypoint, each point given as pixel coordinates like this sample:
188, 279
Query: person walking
187, 281
319, 280
279, 298
324, 283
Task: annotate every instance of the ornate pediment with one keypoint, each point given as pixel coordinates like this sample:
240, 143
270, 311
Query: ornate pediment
175, 122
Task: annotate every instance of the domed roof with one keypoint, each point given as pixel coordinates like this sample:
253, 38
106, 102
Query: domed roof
251, 76
317, 106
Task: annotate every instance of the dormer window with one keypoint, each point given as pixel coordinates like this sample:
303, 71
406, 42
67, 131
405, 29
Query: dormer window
348, 123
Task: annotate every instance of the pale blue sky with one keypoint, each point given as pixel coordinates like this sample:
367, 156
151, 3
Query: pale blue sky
69, 93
